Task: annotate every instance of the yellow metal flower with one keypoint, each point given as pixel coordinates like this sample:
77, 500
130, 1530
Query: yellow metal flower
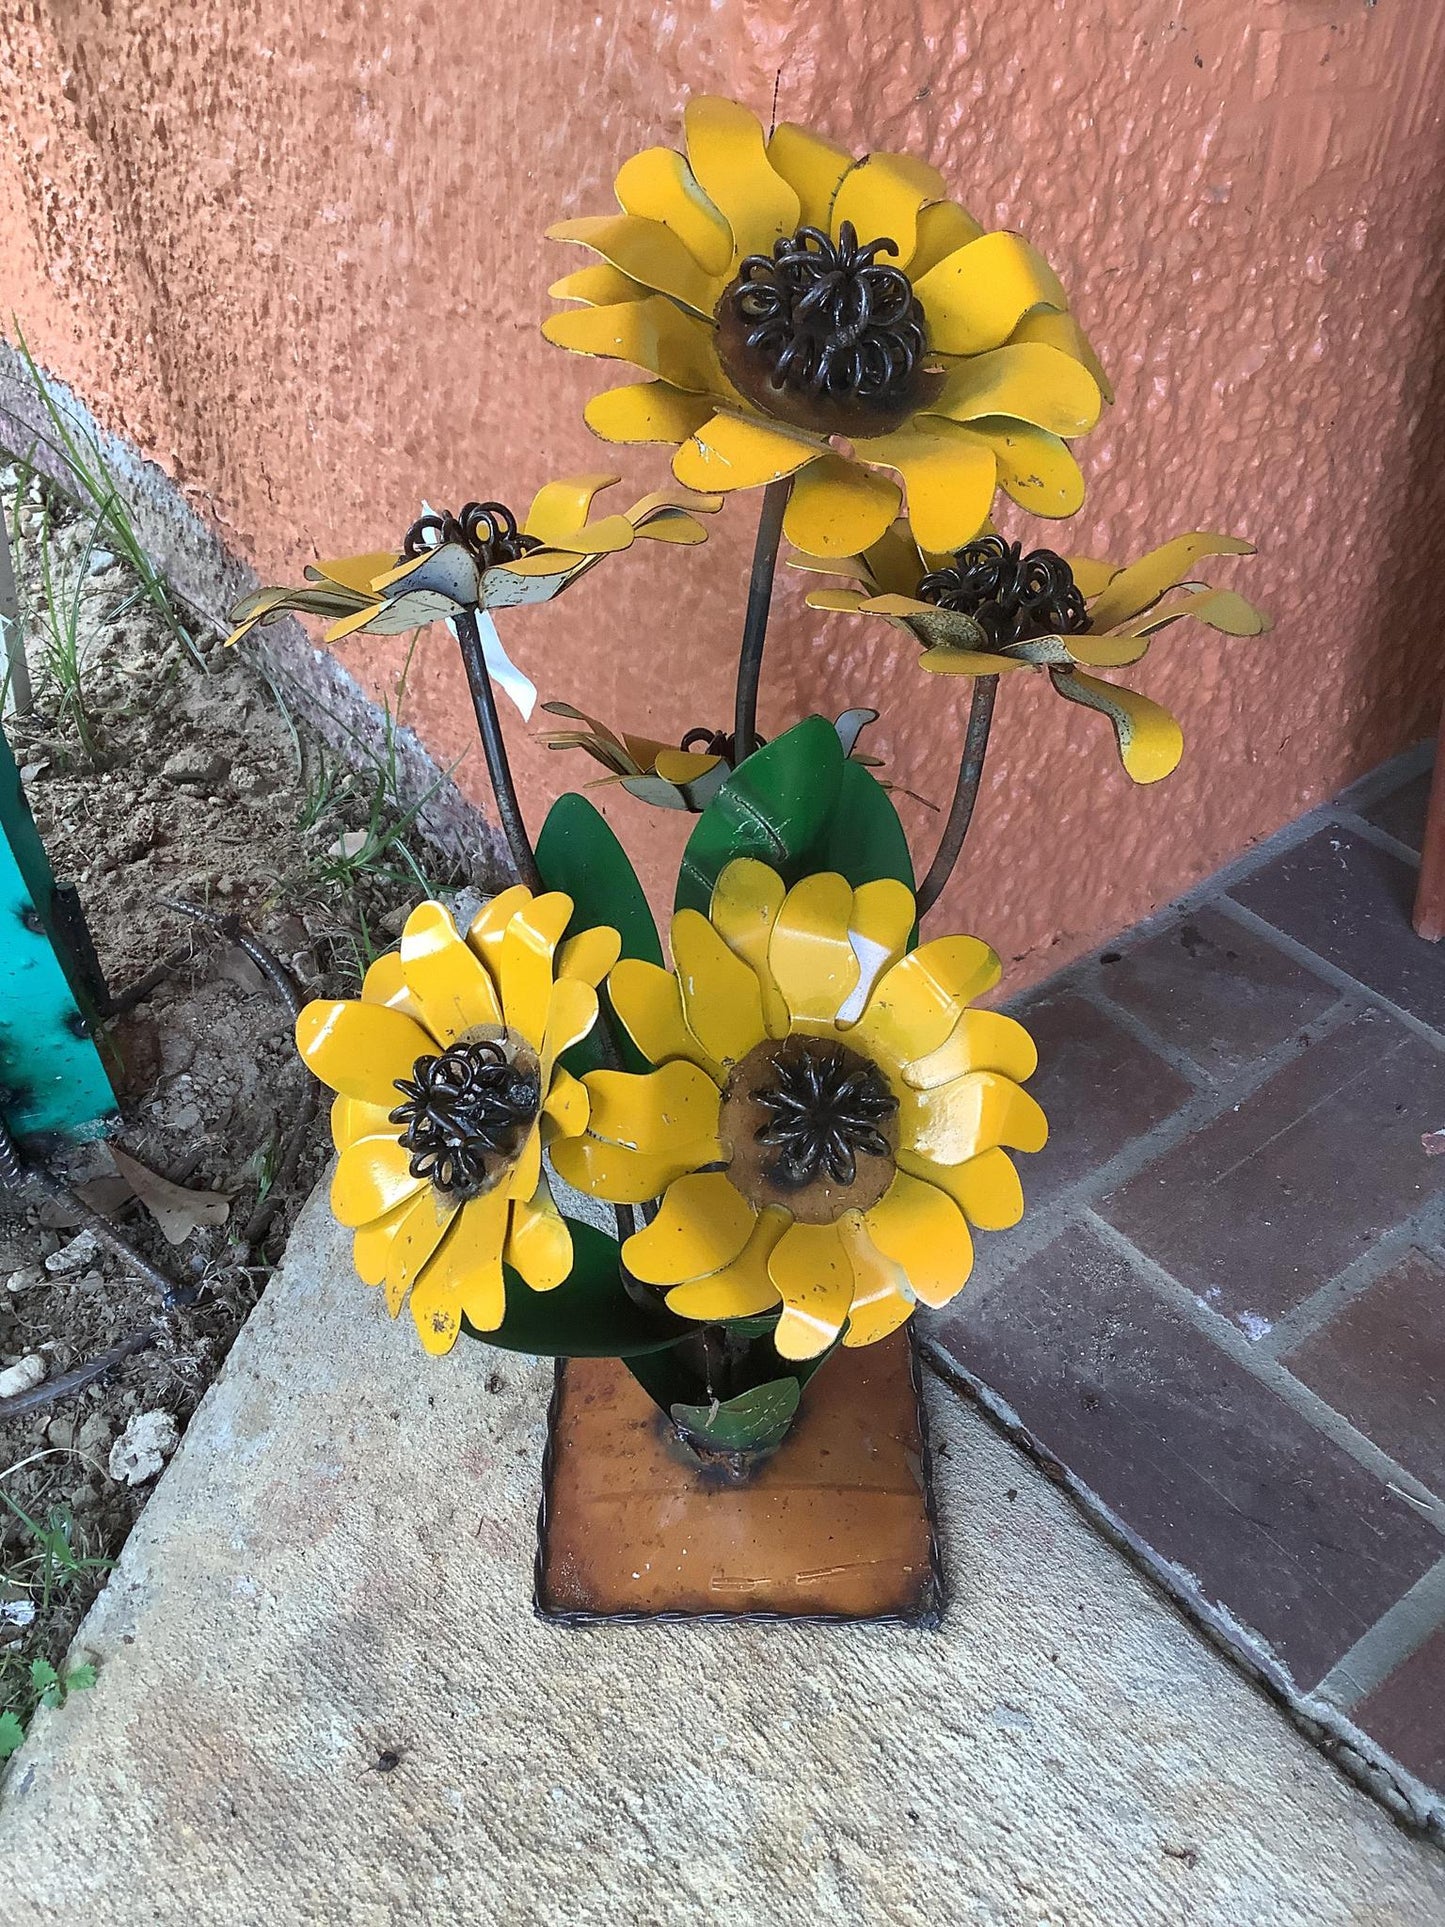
841, 321
989, 609
672, 778
827, 1116
448, 1088
480, 559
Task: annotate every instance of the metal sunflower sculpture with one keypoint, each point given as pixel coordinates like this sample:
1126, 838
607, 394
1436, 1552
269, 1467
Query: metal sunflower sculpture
800, 1118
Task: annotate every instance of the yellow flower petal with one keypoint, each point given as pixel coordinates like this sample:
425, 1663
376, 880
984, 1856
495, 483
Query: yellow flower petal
371, 1247
372, 1177
812, 167
943, 229
539, 1245
1028, 381
1136, 588
1035, 469
837, 507
945, 660
360, 1049
599, 285
590, 954
1061, 331
974, 299
526, 1173
982, 1040
986, 1188
666, 1110
445, 975
916, 1004
721, 1000
659, 184
351, 1119
385, 983
702, 1224
814, 1278
567, 1106
417, 1237
882, 1297
882, 921
741, 1289
571, 1013
812, 961
923, 1231
465, 1274
1220, 609
882, 197
355, 571
979, 1112
648, 252
949, 476
626, 1177
488, 926
730, 162
1091, 577
560, 508
1150, 741
646, 411
729, 453
653, 334
649, 1003
745, 903
525, 974
682, 766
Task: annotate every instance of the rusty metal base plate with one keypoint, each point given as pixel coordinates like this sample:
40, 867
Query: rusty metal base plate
837, 1525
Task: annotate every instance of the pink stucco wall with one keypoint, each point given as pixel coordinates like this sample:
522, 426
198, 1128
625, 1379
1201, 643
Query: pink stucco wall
294, 252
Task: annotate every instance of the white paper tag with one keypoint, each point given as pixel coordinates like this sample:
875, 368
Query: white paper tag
520, 690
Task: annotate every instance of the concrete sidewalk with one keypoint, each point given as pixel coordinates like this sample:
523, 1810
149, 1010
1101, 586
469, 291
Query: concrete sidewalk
337, 1566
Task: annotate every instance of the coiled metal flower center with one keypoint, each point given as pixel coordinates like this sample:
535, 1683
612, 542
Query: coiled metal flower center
827, 1107
465, 1113
1012, 596
487, 530
822, 334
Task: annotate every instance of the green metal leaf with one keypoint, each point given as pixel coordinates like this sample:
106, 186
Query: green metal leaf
863, 838
754, 1421
775, 807
578, 852
592, 1315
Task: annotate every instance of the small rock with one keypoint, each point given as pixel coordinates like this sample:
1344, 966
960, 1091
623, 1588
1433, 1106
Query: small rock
185, 1118
86, 1496
31, 771
26, 1279
195, 768
349, 844
61, 1433
100, 561
74, 1256
143, 1448
23, 1376
95, 1436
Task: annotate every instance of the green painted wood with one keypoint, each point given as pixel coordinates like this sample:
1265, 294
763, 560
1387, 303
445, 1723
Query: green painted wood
52, 1081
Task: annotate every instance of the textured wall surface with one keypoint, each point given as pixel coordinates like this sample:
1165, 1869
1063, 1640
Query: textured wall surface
294, 253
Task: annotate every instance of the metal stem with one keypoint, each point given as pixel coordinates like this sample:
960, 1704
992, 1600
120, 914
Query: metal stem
489, 727
965, 795
755, 624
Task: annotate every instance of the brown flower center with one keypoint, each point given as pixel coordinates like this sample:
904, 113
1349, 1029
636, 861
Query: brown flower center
810, 1125
466, 1112
1011, 595
487, 530
823, 335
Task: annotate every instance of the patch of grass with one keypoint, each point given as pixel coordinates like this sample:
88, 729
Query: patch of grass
50, 1562
60, 623
85, 461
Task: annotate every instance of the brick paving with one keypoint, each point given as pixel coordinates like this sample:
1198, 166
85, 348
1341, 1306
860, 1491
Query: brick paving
1223, 1320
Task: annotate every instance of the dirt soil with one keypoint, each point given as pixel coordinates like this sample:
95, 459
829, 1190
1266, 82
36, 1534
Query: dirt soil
160, 767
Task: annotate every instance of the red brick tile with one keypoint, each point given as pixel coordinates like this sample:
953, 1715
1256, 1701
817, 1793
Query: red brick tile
1198, 1457
1215, 991
1381, 1361
1349, 901
1099, 1086
1406, 1712
1261, 1207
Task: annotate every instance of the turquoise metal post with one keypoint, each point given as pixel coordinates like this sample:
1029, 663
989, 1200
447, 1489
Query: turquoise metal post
52, 1081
